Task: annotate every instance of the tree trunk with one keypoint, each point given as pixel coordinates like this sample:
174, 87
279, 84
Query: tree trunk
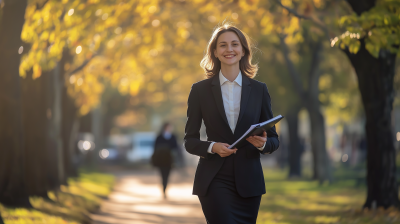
58, 85
34, 120
295, 146
12, 189
69, 132
375, 80
322, 170
322, 167
72, 166
53, 180
70, 123
97, 131
309, 98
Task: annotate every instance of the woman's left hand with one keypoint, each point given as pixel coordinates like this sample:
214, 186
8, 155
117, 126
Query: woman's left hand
258, 141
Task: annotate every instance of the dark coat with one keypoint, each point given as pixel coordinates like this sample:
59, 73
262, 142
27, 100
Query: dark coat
205, 103
163, 151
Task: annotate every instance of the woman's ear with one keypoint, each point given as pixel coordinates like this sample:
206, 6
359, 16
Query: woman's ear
215, 53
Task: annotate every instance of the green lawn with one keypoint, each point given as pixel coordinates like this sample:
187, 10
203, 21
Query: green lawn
73, 204
306, 202
286, 202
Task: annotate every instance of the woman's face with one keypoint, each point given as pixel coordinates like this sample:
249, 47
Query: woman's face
229, 49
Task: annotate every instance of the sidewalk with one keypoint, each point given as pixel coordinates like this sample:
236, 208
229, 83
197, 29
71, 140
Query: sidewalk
137, 199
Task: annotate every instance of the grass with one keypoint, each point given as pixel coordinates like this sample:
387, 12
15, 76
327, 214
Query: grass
298, 201
307, 202
71, 205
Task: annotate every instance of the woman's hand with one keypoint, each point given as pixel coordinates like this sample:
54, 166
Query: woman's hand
258, 141
222, 149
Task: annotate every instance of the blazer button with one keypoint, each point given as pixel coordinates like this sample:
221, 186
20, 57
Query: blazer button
202, 157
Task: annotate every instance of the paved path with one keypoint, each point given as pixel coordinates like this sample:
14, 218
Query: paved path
137, 199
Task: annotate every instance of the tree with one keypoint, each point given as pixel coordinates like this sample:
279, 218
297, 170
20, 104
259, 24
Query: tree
338, 94
125, 58
296, 146
375, 67
310, 99
36, 114
371, 43
12, 187
281, 90
150, 50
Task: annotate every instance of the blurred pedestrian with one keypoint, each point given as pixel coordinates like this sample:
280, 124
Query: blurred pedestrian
165, 147
229, 182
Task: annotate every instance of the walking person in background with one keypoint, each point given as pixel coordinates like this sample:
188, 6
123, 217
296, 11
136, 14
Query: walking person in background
165, 147
229, 182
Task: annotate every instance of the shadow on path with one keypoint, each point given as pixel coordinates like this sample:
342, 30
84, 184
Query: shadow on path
137, 199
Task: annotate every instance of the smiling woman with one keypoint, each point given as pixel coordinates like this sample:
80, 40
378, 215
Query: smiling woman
211, 63
229, 182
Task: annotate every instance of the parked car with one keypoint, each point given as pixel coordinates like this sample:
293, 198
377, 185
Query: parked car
142, 150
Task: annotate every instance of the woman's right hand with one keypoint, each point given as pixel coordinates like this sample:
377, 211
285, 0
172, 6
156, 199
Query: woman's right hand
222, 149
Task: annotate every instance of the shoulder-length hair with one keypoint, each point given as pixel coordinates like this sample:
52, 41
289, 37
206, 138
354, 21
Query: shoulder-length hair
212, 65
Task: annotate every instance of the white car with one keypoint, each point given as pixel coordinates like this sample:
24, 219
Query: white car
143, 143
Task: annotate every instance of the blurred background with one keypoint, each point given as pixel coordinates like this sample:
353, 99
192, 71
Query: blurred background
85, 86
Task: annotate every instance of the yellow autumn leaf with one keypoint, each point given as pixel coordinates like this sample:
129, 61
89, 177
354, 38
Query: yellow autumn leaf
37, 71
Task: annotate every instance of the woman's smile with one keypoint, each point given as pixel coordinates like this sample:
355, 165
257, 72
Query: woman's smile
230, 56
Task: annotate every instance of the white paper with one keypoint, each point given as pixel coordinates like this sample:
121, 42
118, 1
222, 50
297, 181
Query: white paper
255, 126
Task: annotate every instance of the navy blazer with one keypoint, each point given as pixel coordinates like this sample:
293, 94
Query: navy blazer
205, 103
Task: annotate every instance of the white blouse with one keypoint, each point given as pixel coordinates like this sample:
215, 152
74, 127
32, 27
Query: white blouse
231, 96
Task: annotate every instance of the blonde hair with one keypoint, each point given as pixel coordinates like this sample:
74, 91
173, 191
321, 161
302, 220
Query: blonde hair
212, 65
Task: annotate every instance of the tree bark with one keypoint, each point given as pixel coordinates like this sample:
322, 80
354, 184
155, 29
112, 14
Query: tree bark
73, 162
53, 180
295, 146
70, 123
34, 120
58, 85
69, 134
322, 168
12, 188
375, 80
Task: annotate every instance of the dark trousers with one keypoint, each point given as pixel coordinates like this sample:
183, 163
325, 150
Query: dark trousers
164, 171
223, 205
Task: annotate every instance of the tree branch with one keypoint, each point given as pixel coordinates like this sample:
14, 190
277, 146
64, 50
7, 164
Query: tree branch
80, 67
292, 11
316, 22
39, 7
314, 73
292, 70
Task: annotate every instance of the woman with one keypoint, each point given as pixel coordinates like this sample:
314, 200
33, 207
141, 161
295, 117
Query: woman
229, 182
162, 157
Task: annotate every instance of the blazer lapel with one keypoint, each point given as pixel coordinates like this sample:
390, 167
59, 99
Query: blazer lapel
216, 89
246, 89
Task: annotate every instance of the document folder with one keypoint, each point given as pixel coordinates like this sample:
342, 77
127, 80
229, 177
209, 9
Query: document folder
256, 129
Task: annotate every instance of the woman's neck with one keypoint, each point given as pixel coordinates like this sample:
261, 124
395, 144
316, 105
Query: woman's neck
230, 72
